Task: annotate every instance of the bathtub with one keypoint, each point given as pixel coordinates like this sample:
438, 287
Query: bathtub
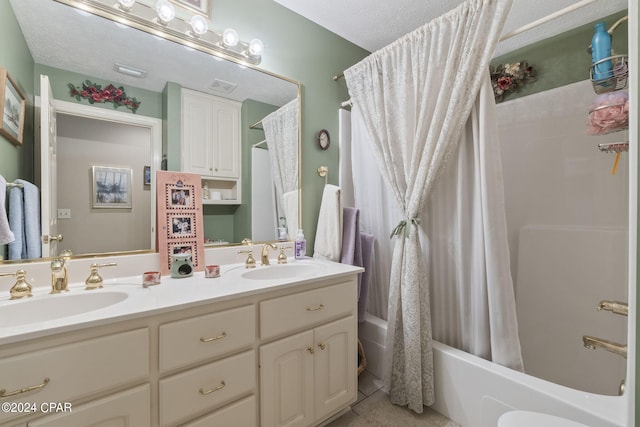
475, 392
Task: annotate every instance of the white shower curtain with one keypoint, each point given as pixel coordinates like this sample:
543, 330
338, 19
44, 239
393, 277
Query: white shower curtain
281, 133
415, 96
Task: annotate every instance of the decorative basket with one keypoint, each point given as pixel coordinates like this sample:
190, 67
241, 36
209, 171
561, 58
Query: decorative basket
616, 79
362, 359
609, 113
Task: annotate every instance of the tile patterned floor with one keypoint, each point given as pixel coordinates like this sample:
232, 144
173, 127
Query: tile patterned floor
369, 393
374, 409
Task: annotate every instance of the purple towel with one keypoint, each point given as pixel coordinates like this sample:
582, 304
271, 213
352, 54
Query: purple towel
353, 253
366, 245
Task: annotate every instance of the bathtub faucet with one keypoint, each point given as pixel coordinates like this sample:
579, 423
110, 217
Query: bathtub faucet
594, 343
614, 307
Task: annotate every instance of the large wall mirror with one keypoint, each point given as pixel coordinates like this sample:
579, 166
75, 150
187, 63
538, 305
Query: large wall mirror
70, 46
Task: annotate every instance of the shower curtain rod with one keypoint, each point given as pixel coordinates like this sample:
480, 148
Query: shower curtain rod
258, 144
528, 26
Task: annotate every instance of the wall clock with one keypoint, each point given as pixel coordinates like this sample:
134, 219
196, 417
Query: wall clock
323, 139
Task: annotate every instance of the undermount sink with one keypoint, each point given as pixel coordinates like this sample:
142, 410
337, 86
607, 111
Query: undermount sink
42, 308
276, 272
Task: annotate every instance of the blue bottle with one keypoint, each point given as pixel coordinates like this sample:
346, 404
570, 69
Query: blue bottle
601, 49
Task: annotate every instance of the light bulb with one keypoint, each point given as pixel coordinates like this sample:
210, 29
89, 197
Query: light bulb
199, 24
126, 4
165, 11
229, 37
256, 47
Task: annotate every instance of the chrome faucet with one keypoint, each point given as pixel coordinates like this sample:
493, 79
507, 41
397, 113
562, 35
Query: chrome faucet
264, 258
593, 343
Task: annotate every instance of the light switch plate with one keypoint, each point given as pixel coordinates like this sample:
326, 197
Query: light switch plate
64, 213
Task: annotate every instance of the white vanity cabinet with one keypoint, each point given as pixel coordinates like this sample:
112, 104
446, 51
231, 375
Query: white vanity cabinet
282, 354
68, 372
127, 408
308, 376
210, 142
198, 339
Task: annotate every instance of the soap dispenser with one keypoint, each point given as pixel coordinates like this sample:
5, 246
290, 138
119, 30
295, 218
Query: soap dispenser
301, 245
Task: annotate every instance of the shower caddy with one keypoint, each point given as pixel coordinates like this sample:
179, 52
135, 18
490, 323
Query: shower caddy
617, 80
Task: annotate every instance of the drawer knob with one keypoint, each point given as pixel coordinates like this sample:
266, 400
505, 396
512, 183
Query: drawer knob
322, 346
310, 349
211, 390
219, 337
316, 308
3, 392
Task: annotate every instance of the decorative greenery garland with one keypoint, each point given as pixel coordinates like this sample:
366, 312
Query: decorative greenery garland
94, 93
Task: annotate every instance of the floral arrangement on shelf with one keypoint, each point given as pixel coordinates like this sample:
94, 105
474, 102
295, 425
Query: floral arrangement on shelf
94, 93
509, 78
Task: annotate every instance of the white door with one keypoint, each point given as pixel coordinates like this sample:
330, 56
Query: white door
48, 187
286, 381
335, 365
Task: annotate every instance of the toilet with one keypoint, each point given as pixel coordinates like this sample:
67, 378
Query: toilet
534, 419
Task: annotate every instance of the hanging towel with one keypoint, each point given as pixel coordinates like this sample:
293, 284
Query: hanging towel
24, 219
6, 235
328, 244
16, 222
367, 242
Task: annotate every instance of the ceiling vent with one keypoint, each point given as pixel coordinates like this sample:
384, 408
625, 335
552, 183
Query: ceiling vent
222, 86
130, 71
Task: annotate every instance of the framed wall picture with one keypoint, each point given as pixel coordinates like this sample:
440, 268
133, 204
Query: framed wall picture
13, 105
111, 187
147, 175
201, 7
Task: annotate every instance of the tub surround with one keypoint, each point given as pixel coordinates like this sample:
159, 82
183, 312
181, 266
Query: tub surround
475, 392
191, 349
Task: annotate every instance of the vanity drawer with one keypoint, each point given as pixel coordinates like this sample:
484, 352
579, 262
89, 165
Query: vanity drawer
203, 337
240, 413
76, 370
197, 390
293, 312
127, 408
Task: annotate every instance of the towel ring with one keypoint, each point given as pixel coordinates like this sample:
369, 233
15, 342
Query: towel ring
323, 171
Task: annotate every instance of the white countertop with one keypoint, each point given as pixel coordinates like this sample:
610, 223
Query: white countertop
171, 294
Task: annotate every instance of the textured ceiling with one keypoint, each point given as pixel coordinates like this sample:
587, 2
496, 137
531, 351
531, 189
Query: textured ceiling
373, 24
95, 45
370, 24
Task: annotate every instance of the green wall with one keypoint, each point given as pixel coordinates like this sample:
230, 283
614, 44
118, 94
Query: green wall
563, 59
299, 49
16, 161
150, 105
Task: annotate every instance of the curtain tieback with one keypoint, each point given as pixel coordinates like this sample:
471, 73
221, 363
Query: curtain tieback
402, 227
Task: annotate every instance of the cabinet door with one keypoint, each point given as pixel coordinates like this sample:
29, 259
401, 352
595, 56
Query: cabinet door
126, 409
226, 139
197, 133
335, 366
286, 387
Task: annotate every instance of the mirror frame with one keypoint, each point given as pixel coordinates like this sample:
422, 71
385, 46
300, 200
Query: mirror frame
185, 41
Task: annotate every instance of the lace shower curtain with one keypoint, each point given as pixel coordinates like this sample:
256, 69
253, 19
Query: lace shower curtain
281, 133
415, 96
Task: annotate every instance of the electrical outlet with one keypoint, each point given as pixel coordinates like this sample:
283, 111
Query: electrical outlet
64, 213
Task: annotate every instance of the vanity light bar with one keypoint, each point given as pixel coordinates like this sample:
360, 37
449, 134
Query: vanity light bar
143, 17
